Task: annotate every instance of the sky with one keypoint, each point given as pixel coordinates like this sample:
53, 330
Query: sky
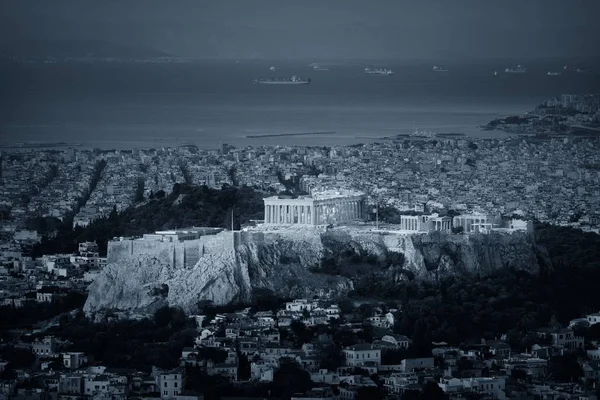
331, 29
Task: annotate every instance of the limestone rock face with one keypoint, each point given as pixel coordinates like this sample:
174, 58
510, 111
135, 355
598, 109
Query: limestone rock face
138, 283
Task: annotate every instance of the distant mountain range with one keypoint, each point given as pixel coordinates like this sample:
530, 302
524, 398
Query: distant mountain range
76, 48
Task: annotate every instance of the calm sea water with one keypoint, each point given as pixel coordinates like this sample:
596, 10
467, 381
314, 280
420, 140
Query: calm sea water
211, 103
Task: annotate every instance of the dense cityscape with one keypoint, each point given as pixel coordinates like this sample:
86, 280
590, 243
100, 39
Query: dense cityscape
315, 200
319, 348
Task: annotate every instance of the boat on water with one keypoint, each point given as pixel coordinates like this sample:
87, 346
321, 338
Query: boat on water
577, 69
518, 70
319, 68
294, 80
495, 73
437, 68
378, 71
273, 68
550, 73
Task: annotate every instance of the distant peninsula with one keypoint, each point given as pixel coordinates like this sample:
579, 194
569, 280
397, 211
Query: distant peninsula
60, 49
568, 114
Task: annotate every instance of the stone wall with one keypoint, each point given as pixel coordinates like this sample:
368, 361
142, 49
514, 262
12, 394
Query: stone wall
183, 254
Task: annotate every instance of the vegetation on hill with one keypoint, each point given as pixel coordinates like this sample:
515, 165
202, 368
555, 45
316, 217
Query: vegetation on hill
186, 206
459, 308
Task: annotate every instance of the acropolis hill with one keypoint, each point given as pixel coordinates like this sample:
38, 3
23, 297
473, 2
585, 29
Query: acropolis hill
180, 267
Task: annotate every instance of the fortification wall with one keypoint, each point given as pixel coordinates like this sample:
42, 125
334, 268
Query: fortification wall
216, 244
118, 250
183, 254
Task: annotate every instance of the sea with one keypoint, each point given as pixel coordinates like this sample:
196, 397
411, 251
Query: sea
212, 103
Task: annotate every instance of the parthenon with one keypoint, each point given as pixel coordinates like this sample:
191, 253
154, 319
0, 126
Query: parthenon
326, 207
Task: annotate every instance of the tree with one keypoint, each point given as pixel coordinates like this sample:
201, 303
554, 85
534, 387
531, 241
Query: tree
162, 316
290, 378
431, 390
565, 368
332, 358
369, 393
244, 367
139, 190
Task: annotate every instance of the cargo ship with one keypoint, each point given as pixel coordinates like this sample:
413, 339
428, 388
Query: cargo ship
550, 73
518, 70
294, 80
439, 69
378, 71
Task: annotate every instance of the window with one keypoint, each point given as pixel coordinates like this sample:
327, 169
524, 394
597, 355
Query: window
175, 384
165, 384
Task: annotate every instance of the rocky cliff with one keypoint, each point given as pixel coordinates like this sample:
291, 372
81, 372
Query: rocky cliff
282, 261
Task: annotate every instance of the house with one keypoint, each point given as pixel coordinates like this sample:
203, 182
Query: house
261, 371
398, 382
71, 383
591, 370
593, 318
315, 393
325, 376
499, 348
360, 354
393, 342
300, 305
74, 360
533, 366
563, 337
411, 364
494, 386
170, 383
45, 348
224, 369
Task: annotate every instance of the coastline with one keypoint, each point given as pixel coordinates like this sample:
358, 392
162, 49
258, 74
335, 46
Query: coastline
289, 134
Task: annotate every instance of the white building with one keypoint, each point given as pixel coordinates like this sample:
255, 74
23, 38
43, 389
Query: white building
360, 354
300, 305
170, 383
493, 386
